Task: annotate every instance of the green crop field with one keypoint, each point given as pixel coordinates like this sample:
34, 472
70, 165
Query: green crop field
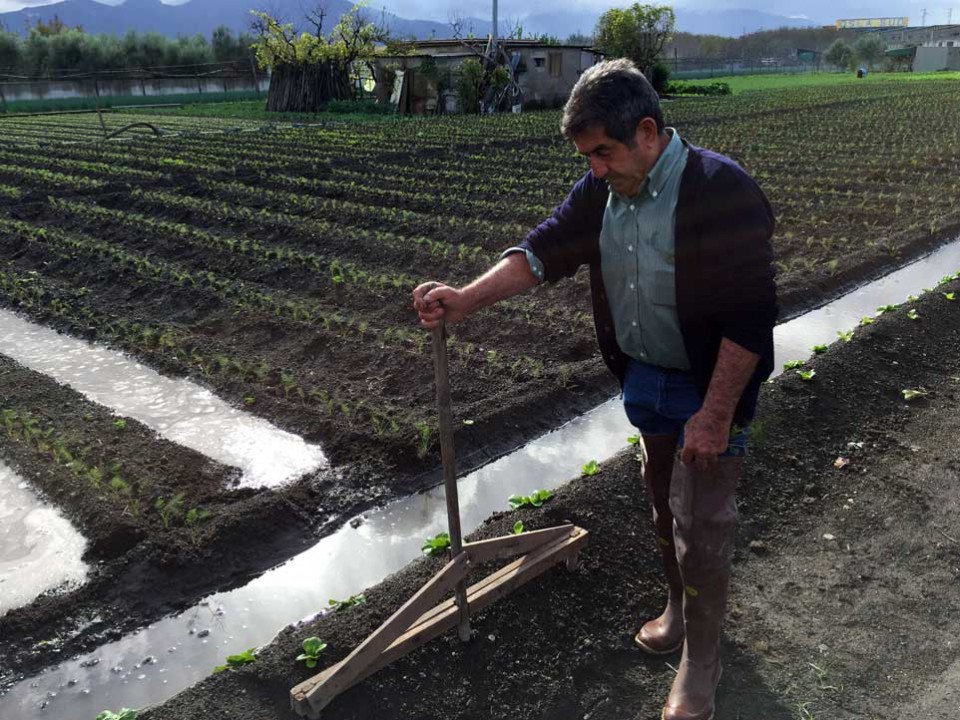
783, 81
275, 263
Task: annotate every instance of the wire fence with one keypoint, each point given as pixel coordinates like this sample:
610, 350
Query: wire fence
699, 68
82, 89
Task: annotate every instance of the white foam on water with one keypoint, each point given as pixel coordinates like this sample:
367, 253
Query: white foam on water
179, 410
39, 548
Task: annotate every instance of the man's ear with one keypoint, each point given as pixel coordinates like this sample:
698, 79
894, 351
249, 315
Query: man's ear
647, 132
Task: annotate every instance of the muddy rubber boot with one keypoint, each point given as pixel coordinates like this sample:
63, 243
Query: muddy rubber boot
663, 635
704, 525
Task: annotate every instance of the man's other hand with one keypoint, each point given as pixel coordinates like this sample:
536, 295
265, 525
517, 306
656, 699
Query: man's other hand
436, 303
705, 437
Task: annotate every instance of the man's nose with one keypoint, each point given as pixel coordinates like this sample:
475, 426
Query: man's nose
599, 168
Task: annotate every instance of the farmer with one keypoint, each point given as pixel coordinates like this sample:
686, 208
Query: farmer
677, 239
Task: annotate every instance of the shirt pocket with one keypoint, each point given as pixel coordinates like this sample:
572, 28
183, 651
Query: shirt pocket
663, 288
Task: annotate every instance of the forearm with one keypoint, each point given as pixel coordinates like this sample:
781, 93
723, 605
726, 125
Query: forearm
507, 278
734, 368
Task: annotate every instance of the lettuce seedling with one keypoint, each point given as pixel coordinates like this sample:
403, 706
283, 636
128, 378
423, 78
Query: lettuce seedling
338, 605
806, 374
909, 395
867, 321
437, 545
591, 468
820, 349
239, 660
912, 314
312, 648
534, 499
124, 714
120, 424
845, 336
633, 439
793, 365
886, 308
518, 527
950, 296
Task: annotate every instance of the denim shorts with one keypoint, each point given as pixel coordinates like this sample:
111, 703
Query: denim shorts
659, 401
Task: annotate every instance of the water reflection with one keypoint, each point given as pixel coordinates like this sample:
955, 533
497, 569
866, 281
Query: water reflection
178, 410
39, 548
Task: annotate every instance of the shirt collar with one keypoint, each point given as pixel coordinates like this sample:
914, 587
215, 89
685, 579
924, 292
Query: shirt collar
657, 177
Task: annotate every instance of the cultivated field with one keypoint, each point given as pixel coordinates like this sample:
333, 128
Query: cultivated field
274, 265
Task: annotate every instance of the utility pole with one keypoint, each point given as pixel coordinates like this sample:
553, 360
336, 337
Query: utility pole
949, 16
495, 28
923, 21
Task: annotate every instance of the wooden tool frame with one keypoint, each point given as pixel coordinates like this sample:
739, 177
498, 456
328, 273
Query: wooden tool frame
424, 617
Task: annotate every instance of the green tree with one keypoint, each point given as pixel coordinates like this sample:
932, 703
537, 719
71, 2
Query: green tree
11, 51
638, 32
869, 48
839, 54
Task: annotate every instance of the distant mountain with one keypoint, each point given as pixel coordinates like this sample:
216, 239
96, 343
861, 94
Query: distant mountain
196, 16
202, 16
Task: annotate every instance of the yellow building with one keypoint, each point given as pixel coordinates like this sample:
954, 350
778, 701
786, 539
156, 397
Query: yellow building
889, 22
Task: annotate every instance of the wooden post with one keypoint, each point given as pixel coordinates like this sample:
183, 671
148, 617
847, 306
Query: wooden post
448, 456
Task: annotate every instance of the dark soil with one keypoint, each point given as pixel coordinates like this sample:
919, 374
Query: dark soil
846, 585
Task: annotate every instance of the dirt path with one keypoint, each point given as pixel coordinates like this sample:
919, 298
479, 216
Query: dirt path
860, 624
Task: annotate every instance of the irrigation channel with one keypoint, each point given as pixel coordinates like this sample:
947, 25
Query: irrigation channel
160, 660
178, 410
39, 548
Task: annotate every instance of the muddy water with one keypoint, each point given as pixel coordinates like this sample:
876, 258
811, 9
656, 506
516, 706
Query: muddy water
178, 410
39, 549
181, 653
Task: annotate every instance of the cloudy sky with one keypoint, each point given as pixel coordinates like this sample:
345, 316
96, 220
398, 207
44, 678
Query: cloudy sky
819, 10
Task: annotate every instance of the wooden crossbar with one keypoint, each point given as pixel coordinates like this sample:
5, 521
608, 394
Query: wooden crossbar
311, 696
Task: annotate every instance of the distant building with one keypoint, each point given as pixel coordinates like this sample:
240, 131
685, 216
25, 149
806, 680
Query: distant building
545, 73
874, 23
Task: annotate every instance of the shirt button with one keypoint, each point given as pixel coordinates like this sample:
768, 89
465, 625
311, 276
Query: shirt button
634, 323
630, 248
632, 286
654, 193
631, 207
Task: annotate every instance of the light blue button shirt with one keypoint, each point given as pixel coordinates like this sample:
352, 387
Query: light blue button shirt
637, 260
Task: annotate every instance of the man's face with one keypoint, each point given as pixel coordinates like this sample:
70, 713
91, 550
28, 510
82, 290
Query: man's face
624, 167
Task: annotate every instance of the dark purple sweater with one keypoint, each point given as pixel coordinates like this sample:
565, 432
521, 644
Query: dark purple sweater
724, 265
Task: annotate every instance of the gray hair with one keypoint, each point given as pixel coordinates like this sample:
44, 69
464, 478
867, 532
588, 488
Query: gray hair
614, 95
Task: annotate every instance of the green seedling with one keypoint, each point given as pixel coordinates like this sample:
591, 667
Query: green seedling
912, 314
912, 298
235, 661
806, 374
845, 336
120, 424
534, 499
424, 432
793, 365
125, 714
169, 509
909, 395
591, 468
312, 649
886, 309
950, 296
867, 321
249, 400
195, 516
437, 545
820, 349
338, 605
633, 439
518, 527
